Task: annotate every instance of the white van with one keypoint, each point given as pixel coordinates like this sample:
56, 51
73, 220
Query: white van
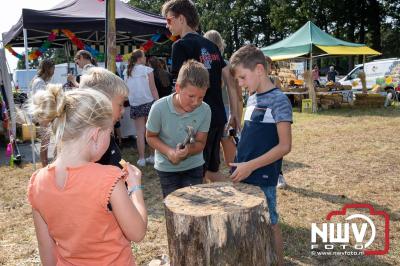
384, 72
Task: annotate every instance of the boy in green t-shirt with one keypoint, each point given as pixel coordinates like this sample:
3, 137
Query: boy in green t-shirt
167, 125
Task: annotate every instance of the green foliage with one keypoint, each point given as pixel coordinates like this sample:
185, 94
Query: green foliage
153, 6
57, 54
263, 22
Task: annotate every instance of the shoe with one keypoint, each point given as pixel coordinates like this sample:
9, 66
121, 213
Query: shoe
141, 162
281, 182
150, 159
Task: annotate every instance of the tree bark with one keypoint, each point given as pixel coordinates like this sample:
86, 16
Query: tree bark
219, 224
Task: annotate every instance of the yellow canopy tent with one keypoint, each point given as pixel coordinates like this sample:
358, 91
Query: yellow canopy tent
310, 42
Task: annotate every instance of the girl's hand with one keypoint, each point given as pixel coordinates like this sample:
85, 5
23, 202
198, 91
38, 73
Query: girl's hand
134, 175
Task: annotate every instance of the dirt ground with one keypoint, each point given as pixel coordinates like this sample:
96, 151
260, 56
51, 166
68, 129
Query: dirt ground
338, 157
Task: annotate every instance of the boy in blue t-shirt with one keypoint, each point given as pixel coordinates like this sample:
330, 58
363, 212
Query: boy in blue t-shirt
167, 127
266, 136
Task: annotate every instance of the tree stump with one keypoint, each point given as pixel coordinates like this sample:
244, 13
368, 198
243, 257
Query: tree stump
219, 224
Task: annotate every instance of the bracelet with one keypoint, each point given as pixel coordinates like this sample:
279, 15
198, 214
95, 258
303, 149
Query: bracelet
134, 188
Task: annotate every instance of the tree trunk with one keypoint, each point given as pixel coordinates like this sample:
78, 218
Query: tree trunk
219, 224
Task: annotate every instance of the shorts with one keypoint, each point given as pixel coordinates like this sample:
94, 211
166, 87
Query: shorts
142, 110
211, 151
171, 181
270, 195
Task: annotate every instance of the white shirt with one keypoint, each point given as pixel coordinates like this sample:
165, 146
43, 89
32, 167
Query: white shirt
139, 85
38, 84
86, 68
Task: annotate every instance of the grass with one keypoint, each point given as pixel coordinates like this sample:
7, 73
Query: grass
338, 156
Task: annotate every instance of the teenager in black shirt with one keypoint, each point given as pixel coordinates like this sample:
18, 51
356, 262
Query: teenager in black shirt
183, 20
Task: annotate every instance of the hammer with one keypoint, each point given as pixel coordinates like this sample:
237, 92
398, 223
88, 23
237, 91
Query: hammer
190, 137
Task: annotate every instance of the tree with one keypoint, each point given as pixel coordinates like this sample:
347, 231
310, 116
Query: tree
373, 22
153, 6
56, 54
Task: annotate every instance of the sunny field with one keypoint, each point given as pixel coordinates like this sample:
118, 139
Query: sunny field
338, 157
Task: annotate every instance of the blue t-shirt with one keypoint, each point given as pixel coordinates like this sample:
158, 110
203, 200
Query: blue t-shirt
170, 126
260, 134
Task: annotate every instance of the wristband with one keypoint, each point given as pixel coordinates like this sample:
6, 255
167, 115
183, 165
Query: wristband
134, 188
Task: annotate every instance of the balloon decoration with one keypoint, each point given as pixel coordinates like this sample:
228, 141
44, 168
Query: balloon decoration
34, 54
82, 46
79, 43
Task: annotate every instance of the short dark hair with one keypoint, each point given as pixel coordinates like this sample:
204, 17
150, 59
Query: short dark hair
249, 57
185, 8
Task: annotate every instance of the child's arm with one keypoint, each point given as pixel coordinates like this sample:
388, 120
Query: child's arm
45, 241
243, 170
153, 87
233, 98
156, 143
130, 213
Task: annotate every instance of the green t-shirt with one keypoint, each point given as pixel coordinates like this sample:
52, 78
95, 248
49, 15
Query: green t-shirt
170, 126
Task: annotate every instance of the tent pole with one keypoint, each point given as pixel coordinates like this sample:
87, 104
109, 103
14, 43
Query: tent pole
364, 62
311, 90
111, 36
66, 51
27, 82
106, 34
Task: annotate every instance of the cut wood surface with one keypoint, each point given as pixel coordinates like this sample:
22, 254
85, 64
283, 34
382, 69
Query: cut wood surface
218, 224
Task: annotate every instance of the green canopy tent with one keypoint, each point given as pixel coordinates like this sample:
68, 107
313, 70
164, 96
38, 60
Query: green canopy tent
309, 42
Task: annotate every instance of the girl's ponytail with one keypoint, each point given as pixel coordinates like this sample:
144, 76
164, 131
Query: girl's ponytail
71, 113
136, 54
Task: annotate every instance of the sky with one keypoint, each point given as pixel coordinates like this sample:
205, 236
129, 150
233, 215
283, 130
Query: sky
11, 12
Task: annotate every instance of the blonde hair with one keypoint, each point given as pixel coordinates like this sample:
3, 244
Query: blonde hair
71, 113
104, 81
194, 73
215, 37
136, 54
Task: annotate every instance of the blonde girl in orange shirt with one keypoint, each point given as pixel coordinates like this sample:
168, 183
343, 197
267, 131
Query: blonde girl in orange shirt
70, 197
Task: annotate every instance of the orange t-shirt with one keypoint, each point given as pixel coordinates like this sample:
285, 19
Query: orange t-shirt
84, 230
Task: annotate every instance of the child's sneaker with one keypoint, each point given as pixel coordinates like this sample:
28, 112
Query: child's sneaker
281, 182
141, 162
150, 159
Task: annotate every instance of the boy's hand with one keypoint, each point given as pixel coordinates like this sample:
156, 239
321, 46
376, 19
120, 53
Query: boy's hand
182, 153
242, 171
173, 156
234, 122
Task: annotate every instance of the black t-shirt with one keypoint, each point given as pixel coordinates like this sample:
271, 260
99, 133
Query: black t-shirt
112, 156
194, 46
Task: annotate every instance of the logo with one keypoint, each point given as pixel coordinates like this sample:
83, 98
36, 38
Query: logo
358, 231
206, 58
